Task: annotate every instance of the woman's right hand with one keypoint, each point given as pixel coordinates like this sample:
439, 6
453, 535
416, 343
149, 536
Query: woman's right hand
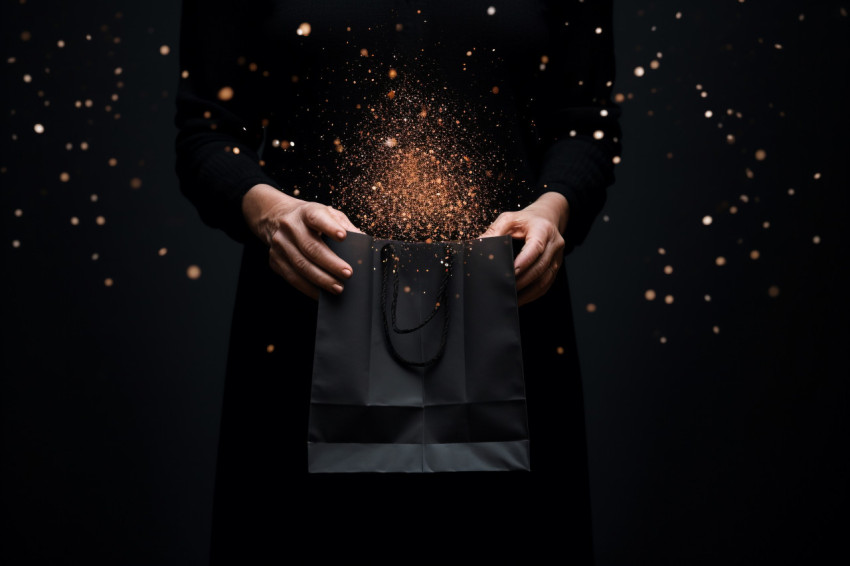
292, 229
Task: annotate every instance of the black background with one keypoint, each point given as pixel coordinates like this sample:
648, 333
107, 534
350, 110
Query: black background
706, 446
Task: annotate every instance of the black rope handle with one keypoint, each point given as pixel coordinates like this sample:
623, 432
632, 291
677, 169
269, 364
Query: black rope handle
387, 256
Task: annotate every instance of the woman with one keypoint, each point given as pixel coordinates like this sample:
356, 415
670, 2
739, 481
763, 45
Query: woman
275, 101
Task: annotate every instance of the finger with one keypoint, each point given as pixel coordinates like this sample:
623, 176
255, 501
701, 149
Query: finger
503, 225
280, 266
536, 242
317, 252
320, 219
306, 268
346, 223
539, 287
547, 264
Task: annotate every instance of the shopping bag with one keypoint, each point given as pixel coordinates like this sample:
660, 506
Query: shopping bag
418, 362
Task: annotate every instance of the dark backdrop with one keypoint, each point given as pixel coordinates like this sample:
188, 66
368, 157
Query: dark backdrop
716, 421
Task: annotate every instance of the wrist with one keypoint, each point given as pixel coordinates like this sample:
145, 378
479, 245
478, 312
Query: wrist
556, 207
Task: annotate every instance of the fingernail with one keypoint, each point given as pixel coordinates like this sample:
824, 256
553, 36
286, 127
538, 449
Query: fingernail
340, 234
337, 288
346, 272
516, 270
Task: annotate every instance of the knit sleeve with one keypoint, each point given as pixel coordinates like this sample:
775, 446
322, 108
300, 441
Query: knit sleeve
220, 105
576, 120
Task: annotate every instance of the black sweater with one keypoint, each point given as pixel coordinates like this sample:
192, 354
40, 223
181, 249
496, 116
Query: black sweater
268, 88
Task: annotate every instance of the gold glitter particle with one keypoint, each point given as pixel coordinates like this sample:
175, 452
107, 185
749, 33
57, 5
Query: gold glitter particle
364, 52
39, 129
108, 282
773, 291
270, 348
495, 90
225, 93
591, 307
649, 295
393, 73
64, 177
754, 254
193, 272
560, 350
162, 251
668, 299
760, 155
304, 29
135, 183
164, 50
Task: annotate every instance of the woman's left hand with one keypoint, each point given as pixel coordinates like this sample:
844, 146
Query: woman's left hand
541, 225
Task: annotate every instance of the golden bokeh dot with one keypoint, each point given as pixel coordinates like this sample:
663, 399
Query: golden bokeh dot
760, 155
617, 160
720, 260
654, 64
407, 288
26, 35
39, 128
184, 74
649, 295
817, 176
663, 339
164, 50
95, 256
74, 221
709, 113
668, 299
64, 177
706, 220
560, 350
135, 183
270, 348
639, 71
193, 272
304, 29
598, 135
668, 269
27, 78
16, 243
816, 239
113, 162
118, 70
84, 146
108, 282
715, 329
495, 90
100, 220
707, 298
393, 73
591, 307
19, 213
225, 93
773, 291
754, 254
661, 251
236, 151
162, 251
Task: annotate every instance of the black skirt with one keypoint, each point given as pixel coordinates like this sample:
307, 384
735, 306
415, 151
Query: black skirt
268, 509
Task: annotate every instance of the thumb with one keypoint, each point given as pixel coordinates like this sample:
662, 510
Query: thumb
501, 226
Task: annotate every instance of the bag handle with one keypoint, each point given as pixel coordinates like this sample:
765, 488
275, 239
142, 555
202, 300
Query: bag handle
388, 256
